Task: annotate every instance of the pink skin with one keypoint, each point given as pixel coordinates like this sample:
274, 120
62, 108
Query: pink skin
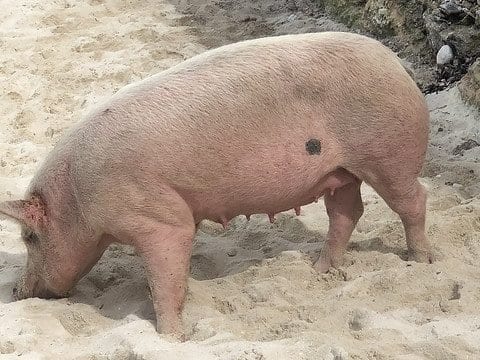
225, 133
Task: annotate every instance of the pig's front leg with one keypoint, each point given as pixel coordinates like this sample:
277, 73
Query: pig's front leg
166, 251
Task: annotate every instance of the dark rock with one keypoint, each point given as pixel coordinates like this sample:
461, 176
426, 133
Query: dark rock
466, 145
232, 252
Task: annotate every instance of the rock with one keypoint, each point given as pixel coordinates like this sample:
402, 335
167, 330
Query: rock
444, 55
434, 26
469, 86
466, 145
468, 4
379, 18
232, 252
450, 8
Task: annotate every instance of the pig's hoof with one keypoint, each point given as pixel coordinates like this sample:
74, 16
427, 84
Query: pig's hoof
327, 260
421, 256
172, 330
322, 265
177, 337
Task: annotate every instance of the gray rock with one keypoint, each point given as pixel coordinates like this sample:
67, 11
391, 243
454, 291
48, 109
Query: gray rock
470, 85
232, 252
468, 4
444, 55
450, 8
434, 26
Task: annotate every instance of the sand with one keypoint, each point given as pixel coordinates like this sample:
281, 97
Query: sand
253, 294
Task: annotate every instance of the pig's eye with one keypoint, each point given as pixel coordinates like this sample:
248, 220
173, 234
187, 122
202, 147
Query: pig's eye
31, 237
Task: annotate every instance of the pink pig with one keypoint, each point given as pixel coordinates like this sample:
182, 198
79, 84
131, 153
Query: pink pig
260, 126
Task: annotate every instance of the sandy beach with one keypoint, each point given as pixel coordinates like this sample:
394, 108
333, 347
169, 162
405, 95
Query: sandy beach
253, 294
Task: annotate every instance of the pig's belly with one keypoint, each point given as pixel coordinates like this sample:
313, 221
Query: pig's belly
269, 195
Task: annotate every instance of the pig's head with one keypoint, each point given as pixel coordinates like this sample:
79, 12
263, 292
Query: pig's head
57, 257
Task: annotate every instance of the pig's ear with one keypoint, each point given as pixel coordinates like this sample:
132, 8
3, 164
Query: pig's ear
28, 212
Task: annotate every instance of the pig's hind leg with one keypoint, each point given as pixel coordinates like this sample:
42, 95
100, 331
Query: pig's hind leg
344, 208
408, 200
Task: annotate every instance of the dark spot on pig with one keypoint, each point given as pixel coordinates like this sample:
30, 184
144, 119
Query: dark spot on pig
313, 146
31, 237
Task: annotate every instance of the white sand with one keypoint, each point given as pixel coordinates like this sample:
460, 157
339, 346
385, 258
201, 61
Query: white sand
253, 294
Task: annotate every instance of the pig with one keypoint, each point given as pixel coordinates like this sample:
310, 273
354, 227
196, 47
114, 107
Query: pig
258, 126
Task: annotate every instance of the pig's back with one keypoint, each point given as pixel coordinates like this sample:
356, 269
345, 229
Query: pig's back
235, 116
